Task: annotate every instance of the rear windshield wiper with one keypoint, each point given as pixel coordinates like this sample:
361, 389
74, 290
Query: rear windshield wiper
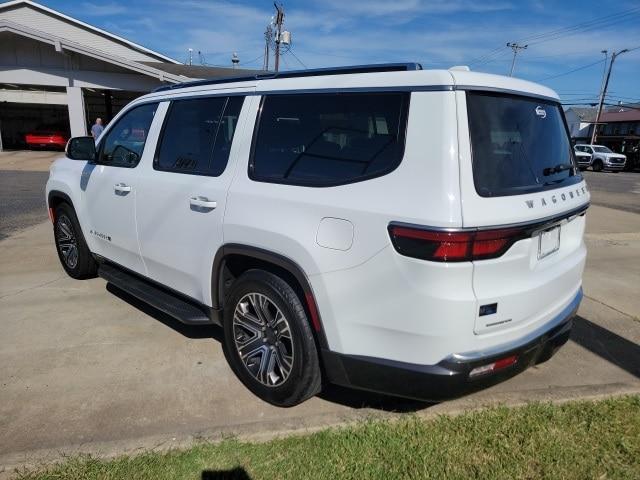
557, 169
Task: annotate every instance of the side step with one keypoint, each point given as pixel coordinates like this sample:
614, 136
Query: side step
172, 304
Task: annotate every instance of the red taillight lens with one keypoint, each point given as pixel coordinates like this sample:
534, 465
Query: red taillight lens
440, 246
461, 246
493, 243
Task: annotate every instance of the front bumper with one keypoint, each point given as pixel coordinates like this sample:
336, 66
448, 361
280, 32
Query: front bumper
449, 378
614, 166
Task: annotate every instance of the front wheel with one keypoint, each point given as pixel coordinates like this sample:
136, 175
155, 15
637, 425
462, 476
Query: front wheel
268, 341
598, 166
73, 252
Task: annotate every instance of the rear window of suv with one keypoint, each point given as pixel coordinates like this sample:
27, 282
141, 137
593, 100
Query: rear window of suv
519, 145
329, 139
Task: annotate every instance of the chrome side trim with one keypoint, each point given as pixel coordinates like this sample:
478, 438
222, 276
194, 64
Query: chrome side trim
563, 316
539, 223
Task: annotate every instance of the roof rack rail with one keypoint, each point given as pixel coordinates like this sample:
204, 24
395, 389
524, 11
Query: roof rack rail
380, 67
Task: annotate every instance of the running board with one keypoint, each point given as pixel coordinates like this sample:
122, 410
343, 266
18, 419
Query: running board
172, 304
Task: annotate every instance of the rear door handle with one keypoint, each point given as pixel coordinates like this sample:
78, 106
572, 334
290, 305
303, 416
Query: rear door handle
202, 202
122, 188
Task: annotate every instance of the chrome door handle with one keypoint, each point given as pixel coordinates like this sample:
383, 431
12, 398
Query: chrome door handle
122, 188
202, 202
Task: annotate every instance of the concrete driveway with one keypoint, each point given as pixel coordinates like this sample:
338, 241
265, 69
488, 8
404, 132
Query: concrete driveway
85, 368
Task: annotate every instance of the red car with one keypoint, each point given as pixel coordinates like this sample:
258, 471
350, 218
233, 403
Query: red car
46, 137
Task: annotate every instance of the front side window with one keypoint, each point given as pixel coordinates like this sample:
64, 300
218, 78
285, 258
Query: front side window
329, 139
519, 145
124, 142
197, 135
602, 150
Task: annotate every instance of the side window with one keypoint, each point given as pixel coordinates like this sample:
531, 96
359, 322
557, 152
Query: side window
197, 135
124, 143
329, 139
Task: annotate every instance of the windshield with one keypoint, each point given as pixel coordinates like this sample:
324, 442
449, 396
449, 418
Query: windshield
519, 144
602, 149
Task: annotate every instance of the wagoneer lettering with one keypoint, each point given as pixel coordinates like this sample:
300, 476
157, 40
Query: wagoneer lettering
215, 195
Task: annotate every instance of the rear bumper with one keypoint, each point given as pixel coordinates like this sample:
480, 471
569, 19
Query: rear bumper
450, 378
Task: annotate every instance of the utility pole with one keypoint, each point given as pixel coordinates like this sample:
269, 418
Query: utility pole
278, 21
191, 56
515, 47
268, 37
603, 95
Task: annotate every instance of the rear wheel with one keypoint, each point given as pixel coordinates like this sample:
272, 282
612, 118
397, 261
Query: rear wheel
268, 341
598, 165
73, 252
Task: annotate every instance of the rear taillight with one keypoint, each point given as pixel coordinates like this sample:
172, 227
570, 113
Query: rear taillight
453, 246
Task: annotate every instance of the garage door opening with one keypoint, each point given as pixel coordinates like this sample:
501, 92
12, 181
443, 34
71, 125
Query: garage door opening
35, 114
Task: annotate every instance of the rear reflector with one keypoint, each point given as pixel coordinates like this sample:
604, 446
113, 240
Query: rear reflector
52, 215
453, 246
494, 367
313, 311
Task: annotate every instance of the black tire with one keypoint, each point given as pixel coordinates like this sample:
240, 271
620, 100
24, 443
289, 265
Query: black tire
304, 379
67, 231
598, 166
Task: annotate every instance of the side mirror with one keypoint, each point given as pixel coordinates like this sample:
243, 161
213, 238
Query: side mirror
81, 148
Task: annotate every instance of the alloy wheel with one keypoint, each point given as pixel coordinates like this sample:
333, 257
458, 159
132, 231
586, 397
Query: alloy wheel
67, 242
263, 339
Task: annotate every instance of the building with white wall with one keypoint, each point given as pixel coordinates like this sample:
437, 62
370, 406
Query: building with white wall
57, 70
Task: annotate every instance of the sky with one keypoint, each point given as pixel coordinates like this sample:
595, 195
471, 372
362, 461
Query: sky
564, 38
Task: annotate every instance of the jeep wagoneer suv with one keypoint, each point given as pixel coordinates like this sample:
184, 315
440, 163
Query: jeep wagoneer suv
407, 231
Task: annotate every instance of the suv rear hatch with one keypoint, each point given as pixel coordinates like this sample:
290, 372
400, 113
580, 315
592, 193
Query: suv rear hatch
519, 178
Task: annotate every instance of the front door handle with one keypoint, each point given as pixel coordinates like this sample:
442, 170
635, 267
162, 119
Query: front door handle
121, 188
202, 202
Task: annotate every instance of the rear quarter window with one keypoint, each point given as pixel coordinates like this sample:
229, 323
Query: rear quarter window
519, 145
329, 139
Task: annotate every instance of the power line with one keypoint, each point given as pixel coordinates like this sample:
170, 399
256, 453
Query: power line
296, 57
582, 26
606, 21
571, 71
260, 57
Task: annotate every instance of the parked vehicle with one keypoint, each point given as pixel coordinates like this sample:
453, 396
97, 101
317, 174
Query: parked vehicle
583, 159
399, 230
603, 158
44, 136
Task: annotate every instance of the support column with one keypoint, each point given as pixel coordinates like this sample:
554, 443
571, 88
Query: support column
108, 107
77, 115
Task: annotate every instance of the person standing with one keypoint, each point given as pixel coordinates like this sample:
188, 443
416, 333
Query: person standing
97, 128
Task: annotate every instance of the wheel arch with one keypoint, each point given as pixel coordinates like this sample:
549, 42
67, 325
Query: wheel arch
231, 260
56, 197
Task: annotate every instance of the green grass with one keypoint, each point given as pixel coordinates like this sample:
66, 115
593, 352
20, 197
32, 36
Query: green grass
579, 440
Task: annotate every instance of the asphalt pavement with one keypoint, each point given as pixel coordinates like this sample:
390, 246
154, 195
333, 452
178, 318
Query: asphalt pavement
86, 368
22, 201
619, 190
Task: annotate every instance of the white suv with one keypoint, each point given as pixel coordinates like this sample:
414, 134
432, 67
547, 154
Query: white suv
602, 158
388, 228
